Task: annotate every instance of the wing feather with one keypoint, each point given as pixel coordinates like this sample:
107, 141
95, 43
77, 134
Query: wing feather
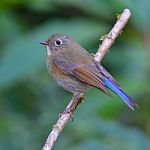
87, 73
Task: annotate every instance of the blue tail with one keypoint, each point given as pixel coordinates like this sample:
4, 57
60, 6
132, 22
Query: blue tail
115, 88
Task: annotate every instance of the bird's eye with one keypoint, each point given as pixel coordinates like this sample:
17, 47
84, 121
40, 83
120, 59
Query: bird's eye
58, 42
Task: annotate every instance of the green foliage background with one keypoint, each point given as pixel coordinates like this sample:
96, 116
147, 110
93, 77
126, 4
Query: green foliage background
30, 100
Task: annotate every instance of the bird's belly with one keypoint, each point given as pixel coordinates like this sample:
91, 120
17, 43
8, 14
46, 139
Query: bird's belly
73, 85
66, 81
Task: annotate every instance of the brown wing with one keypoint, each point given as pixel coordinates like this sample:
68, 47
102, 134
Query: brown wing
87, 73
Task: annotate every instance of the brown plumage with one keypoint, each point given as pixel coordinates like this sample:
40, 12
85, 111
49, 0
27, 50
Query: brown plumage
76, 70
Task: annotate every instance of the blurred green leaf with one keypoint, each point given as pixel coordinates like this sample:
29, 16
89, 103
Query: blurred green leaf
99, 134
140, 18
24, 56
30, 101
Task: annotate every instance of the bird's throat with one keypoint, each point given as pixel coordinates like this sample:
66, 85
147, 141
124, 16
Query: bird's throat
48, 51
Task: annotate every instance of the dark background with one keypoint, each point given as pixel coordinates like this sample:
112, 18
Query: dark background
30, 101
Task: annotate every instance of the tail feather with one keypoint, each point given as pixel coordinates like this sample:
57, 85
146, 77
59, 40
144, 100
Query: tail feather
115, 88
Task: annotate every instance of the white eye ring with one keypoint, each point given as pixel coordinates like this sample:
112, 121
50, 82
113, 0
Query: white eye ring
58, 42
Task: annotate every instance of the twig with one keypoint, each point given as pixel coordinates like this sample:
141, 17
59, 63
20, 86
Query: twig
103, 48
112, 35
63, 119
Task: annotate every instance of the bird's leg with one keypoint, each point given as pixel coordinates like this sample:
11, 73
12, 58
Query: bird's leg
76, 100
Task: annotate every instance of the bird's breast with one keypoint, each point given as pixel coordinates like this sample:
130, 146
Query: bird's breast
54, 71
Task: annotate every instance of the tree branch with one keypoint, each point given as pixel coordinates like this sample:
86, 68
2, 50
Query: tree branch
113, 34
77, 98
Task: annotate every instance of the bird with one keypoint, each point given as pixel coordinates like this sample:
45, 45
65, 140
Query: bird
77, 71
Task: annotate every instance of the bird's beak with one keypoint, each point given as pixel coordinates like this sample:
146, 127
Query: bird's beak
44, 43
